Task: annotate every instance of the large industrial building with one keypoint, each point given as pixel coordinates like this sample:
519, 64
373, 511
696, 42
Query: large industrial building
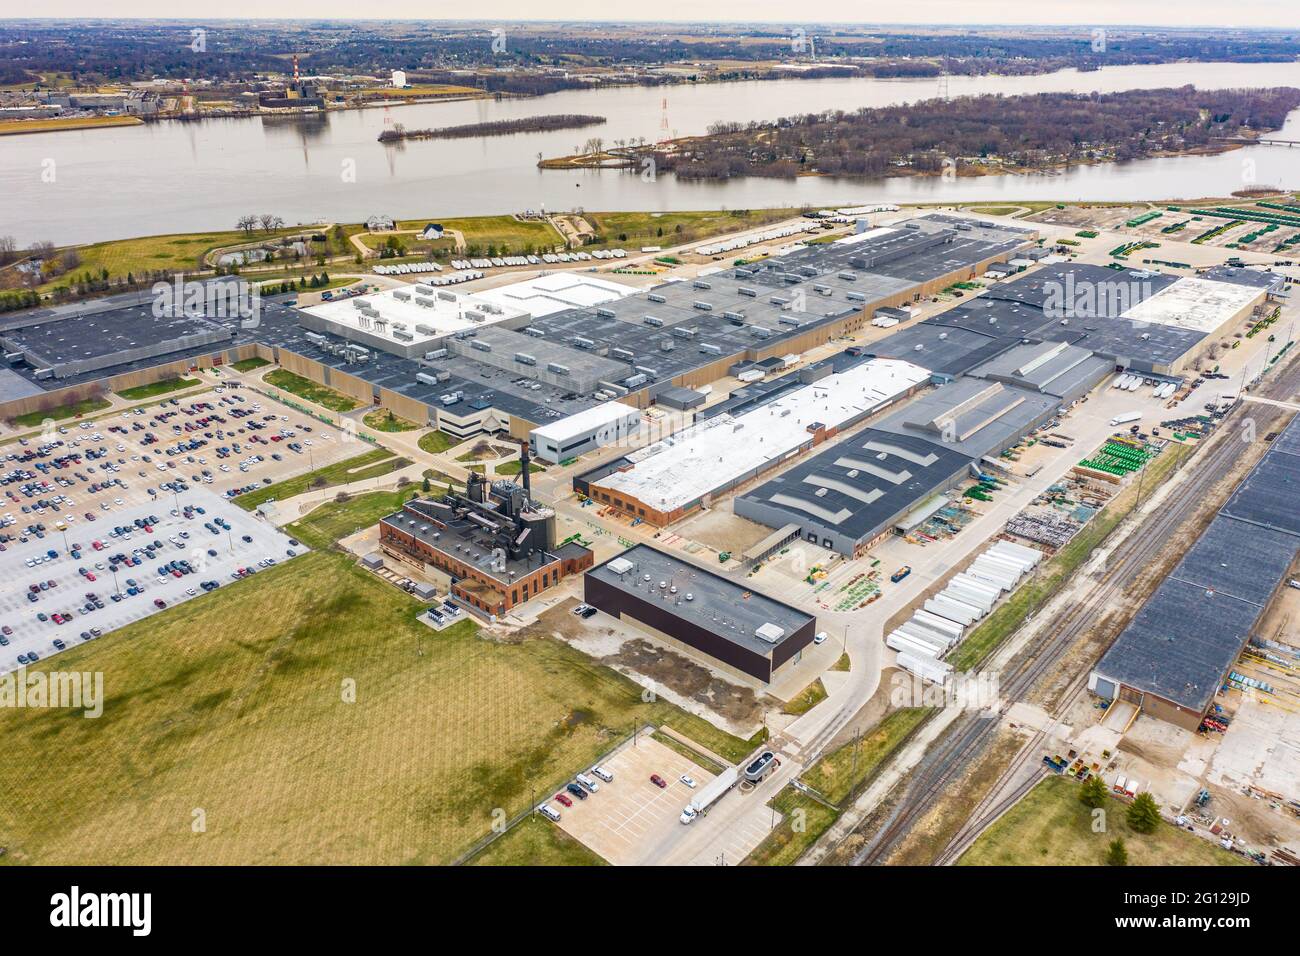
682, 604
494, 542
1176, 652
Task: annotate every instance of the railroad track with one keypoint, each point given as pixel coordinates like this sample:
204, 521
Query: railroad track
970, 734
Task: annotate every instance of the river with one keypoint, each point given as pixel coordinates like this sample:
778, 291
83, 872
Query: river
171, 177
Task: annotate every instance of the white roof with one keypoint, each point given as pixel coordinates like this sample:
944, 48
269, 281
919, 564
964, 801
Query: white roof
1194, 304
621, 565
445, 316
693, 462
556, 292
864, 236
589, 419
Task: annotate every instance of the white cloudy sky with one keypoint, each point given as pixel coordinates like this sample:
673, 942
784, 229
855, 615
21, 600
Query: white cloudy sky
1275, 13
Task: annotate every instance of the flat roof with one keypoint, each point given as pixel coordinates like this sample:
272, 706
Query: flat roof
1194, 304
555, 292
590, 419
715, 452
446, 313
719, 605
1189, 632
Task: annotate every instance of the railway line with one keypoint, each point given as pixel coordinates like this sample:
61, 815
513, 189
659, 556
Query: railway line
972, 733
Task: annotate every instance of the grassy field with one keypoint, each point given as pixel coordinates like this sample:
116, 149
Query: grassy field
1033, 594
308, 390
158, 388
168, 253
837, 775
339, 519
248, 364
514, 468
236, 708
804, 820
536, 842
55, 124
662, 229
382, 420
436, 442
1050, 827
370, 464
843, 664
73, 410
806, 699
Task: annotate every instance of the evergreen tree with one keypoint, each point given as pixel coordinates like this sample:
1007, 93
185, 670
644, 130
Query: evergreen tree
1116, 853
1143, 814
1093, 793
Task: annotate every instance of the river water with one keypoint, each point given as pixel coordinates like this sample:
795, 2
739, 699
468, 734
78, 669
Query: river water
168, 177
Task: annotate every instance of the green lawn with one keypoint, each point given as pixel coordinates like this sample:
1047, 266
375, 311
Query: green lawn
806, 699
536, 842
804, 821
158, 388
383, 420
370, 464
248, 364
662, 229
306, 389
842, 664
1050, 827
514, 468
73, 410
436, 442
306, 717
837, 775
501, 230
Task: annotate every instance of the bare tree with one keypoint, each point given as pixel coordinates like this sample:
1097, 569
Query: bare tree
8, 250
270, 222
247, 224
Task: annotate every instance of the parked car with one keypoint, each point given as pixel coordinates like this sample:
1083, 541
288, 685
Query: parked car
658, 781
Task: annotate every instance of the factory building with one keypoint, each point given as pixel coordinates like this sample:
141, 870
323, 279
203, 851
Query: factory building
880, 481
685, 606
495, 544
607, 424
669, 479
1179, 648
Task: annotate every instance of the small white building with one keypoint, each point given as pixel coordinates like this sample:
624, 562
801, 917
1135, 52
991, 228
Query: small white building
399, 79
584, 431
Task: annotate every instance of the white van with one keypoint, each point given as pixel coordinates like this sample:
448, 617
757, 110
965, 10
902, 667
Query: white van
549, 812
603, 774
587, 783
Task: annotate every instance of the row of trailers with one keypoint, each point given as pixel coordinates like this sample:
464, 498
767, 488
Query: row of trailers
1131, 383
941, 623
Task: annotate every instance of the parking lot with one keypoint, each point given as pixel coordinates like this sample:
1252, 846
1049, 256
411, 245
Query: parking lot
630, 818
80, 589
77, 483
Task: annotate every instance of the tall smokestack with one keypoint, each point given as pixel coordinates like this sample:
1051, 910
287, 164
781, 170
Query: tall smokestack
524, 470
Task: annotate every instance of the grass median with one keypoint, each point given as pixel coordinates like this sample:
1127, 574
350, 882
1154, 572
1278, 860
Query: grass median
310, 391
372, 464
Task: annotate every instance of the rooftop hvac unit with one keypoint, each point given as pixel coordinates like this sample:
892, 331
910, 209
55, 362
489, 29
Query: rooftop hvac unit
780, 300
855, 296
789, 320
647, 370
425, 302
607, 313
401, 296
702, 306
654, 321
426, 378
848, 276
491, 308
451, 398
425, 329
481, 345
683, 333
623, 354
474, 315
446, 296
535, 333
465, 334
745, 290
582, 343
666, 345
403, 336
523, 358
557, 368
701, 284
737, 317
635, 381
709, 348
655, 297
315, 337
762, 333
428, 290
358, 303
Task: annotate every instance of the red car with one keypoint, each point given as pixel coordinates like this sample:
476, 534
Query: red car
564, 799
90, 576
159, 602
658, 781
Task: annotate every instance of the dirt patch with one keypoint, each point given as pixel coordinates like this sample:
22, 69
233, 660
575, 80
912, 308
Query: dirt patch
689, 679
719, 528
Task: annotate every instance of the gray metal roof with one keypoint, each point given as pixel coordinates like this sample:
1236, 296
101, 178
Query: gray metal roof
1187, 635
730, 610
